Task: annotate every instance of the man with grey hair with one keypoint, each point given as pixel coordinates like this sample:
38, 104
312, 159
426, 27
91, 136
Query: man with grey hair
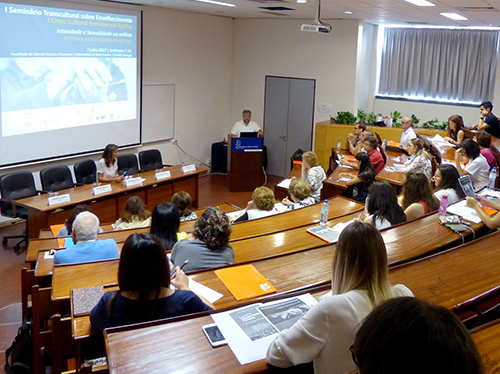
408, 133
86, 248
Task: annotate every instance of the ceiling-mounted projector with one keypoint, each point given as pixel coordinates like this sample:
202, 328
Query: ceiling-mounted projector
324, 28
318, 26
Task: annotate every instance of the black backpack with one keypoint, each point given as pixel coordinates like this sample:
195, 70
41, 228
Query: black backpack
21, 351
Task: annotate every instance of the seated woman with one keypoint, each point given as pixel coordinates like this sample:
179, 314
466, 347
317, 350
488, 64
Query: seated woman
211, 246
67, 229
475, 164
418, 198
413, 336
313, 174
107, 166
144, 281
455, 133
421, 161
360, 282
134, 215
382, 206
182, 200
483, 139
446, 183
261, 205
299, 191
165, 223
493, 222
362, 182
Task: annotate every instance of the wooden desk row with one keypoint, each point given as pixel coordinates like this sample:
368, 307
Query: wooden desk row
276, 256
108, 206
453, 279
44, 244
281, 222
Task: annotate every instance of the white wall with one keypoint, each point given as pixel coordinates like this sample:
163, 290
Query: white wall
278, 47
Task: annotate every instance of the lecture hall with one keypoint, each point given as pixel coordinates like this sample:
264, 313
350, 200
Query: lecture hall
136, 126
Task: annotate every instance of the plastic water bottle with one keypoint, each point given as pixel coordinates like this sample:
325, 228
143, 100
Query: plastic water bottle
443, 205
339, 147
324, 213
384, 143
367, 200
493, 177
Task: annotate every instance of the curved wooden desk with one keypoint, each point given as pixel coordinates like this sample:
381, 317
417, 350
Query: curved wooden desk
108, 206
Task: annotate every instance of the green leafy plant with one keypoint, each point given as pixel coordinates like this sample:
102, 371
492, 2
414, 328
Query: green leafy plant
444, 125
362, 116
396, 116
345, 117
434, 124
414, 119
367, 118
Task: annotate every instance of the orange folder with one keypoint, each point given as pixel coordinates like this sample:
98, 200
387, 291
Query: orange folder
245, 282
489, 211
56, 228
393, 144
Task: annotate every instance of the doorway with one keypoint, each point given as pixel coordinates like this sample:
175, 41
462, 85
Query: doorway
288, 120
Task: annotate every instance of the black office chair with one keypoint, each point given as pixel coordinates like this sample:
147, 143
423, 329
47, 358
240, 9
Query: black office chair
14, 186
128, 164
150, 160
85, 172
56, 178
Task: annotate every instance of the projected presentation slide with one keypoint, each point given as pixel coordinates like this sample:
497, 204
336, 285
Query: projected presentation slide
64, 68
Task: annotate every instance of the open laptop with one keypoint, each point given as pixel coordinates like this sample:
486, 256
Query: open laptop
467, 187
248, 134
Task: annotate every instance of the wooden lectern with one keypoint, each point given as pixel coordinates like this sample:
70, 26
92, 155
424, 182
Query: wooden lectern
245, 159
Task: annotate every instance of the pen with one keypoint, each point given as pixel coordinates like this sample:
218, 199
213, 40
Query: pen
182, 266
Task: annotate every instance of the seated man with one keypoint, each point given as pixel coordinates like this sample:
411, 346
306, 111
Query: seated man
355, 136
408, 133
370, 145
85, 228
359, 146
488, 121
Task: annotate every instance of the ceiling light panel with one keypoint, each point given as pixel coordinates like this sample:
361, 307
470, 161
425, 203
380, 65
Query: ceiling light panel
420, 2
454, 16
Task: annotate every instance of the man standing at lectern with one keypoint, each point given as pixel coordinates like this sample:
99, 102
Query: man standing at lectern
246, 125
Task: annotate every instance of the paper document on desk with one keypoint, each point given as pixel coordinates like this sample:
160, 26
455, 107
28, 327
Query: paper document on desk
233, 215
342, 225
280, 207
344, 179
251, 329
489, 194
285, 183
439, 141
204, 291
461, 209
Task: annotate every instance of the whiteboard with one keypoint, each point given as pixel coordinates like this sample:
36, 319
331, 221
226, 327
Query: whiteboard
158, 112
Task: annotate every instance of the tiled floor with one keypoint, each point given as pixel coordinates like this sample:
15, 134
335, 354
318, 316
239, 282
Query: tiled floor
213, 189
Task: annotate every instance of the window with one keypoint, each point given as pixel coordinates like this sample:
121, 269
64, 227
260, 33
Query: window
439, 65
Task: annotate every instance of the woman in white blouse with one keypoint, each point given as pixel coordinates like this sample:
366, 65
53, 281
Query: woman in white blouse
421, 161
360, 282
107, 166
446, 183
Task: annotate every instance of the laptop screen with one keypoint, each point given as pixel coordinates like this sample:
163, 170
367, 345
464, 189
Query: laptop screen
252, 134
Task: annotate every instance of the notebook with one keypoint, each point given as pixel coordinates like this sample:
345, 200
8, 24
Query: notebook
245, 282
324, 233
84, 299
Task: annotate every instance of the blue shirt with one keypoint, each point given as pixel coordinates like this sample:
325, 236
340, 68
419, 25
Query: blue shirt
126, 311
87, 251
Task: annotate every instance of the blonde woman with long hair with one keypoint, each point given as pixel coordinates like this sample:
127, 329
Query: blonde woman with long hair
421, 161
360, 283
